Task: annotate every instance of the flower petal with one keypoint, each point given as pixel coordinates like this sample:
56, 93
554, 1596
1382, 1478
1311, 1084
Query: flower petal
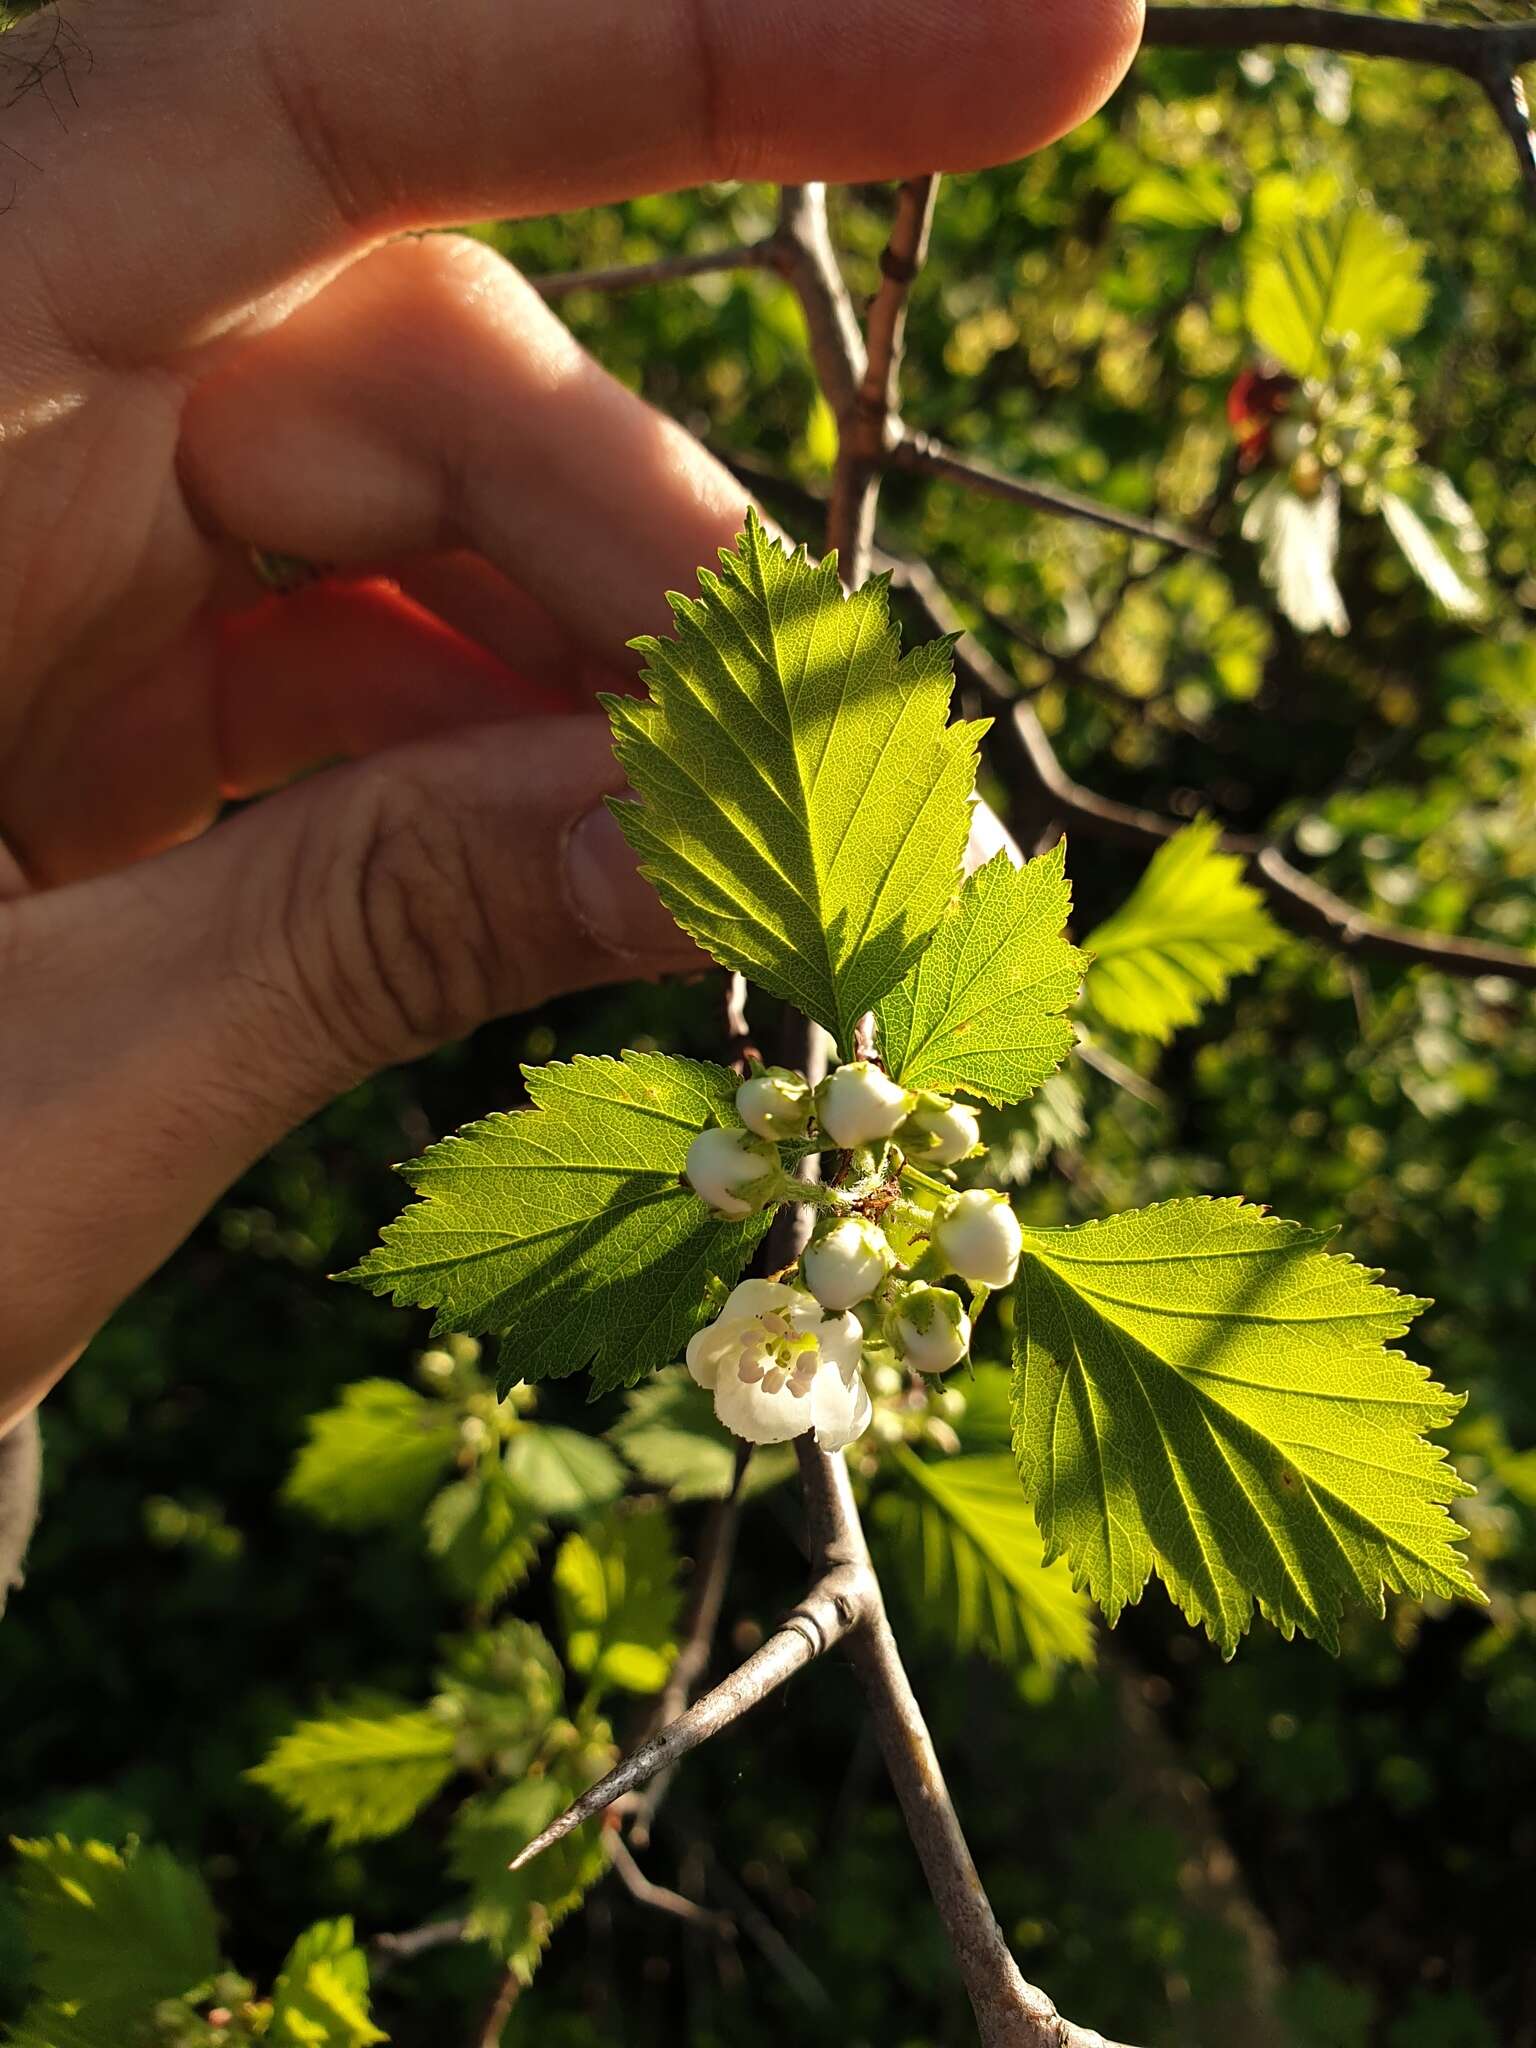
840, 1407
759, 1417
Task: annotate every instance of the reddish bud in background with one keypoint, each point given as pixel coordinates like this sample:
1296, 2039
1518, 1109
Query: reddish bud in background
1256, 400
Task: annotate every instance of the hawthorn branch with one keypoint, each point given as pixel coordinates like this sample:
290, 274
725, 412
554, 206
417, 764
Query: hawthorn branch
657, 1896
1490, 54
871, 427
924, 456
1029, 769
1472, 48
717, 1552
834, 1605
626, 277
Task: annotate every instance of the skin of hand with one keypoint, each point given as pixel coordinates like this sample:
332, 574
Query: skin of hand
221, 327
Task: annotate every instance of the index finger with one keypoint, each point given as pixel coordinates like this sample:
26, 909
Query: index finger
215, 151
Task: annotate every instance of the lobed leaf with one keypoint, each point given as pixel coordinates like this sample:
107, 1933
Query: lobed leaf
561, 1473
567, 1227
517, 1911
981, 1009
485, 1535
375, 1457
805, 806
361, 1775
1201, 1390
1173, 946
670, 1434
320, 1999
616, 1591
972, 1556
113, 1934
1355, 271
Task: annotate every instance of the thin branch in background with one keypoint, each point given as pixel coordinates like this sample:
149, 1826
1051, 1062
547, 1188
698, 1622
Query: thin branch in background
1506, 92
826, 1614
657, 1896
1027, 766
757, 1926
717, 1552
625, 277
923, 456
1471, 48
1490, 54
494, 2025
388, 1949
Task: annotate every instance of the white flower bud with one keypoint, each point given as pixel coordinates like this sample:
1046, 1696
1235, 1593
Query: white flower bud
847, 1264
723, 1167
939, 1132
859, 1105
933, 1331
775, 1104
979, 1238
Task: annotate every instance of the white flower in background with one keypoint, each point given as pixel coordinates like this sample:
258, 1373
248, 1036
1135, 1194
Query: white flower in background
733, 1172
859, 1105
776, 1104
933, 1331
978, 1236
778, 1366
847, 1264
939, 1132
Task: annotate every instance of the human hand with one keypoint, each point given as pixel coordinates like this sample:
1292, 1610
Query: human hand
208, 339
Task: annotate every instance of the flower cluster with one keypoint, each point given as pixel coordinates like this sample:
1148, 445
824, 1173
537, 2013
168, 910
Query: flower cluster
784, 1357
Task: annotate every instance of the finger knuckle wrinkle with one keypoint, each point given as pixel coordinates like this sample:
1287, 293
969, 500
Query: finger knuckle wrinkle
409, 939
328, 145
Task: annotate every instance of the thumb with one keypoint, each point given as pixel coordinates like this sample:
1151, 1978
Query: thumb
162, 1026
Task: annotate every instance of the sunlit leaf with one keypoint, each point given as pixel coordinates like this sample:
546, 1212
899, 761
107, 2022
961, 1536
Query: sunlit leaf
1203, 1391
1188, 927
805, 805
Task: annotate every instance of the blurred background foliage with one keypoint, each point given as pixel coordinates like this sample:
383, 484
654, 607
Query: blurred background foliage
1311, 1850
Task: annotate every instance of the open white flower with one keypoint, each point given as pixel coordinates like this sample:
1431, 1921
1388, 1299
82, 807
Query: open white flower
859, 1105
846, 1265
776, 1104
939, 1132
778, 1366
732, 1171
933, 1331
978, 1235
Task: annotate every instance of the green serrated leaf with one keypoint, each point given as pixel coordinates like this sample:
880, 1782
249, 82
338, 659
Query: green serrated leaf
981, 1010
616, 1590
973, 1559
362, 1776
517, 1911
373, 1458
320, 1999
1190, 924
1354, 271
561, 1473
484, 1535
1441, 540
113, 1933
567, 1227
1201, 1390
500, 1692
671, 1435
805, 807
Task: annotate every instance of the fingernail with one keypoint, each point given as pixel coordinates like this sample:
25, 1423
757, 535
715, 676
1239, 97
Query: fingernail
610, 898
